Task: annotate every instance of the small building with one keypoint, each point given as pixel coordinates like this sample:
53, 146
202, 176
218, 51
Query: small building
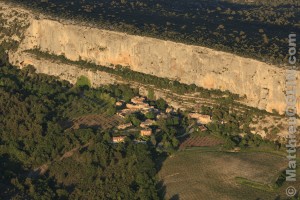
118, 139
201, 119
150, 109
158, 130
146, 132
133, 106
242, 134
142, 106
125, 112
138, 100
147, 123
202, 128
119, 103
121, 114
169, 110
124, 126
237, 149
162, 116
146, 106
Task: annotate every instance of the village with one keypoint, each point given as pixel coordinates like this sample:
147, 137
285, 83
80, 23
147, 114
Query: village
148, 127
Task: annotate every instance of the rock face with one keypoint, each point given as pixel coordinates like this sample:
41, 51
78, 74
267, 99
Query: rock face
263, 84
63, 71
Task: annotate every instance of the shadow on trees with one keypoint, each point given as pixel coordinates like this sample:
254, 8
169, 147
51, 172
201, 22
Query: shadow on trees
161, 187
175, 197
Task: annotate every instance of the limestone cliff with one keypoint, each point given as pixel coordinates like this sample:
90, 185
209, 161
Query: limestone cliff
63, 71
263, 84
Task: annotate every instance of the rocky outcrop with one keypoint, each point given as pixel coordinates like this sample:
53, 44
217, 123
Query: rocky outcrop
261, 83
63, 71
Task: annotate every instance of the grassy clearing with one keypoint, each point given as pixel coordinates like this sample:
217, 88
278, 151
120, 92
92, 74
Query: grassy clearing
205, 173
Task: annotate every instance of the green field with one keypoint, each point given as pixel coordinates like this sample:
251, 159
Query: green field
200, 174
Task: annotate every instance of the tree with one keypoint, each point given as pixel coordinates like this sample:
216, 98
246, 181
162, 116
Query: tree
83, 81
175, 142
106, 137
206, 110
229, 144
3, 56
151, 94
150, 115
37, 129
135, 121
161, 104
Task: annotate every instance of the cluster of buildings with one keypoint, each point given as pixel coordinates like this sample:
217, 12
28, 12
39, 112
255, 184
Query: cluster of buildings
139, 104
136, 104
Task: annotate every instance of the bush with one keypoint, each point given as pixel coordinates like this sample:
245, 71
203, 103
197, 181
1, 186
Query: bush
161, 104
83, 81
150, 115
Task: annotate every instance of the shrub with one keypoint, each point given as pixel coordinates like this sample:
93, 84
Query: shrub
83, 81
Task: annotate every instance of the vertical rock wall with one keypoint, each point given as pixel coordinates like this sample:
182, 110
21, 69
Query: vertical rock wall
263, 84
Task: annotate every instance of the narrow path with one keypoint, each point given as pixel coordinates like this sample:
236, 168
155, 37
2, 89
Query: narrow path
44, 167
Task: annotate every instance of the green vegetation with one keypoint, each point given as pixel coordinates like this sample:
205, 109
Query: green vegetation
229, 124
254, 184
13, 25
134, 119
83, 81
36, 114
161, 104
150, 115
266, 2
151, 94
46, 153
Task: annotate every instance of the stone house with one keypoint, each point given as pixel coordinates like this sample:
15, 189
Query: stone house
147, 123
124, 126
118, 139
119, 103
146, 132
138, 100
201, 119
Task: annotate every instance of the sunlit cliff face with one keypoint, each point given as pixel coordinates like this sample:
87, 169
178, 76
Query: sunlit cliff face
263, 84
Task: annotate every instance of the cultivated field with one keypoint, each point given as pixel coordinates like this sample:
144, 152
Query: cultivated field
200, 141
203, 173
102, 121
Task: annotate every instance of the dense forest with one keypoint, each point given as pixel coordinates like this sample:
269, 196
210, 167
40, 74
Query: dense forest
256, 29
44, 157
35, 112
